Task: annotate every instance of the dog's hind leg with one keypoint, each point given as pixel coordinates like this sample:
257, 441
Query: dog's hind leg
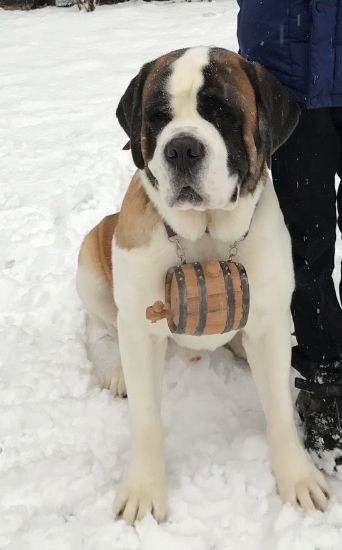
97, 297
96, 292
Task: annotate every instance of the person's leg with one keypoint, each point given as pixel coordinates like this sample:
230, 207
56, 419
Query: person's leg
304, 171
339, 208
337, 118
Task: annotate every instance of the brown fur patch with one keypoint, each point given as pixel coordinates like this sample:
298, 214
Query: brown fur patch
158, 71
132, 227
96, 248
137, 219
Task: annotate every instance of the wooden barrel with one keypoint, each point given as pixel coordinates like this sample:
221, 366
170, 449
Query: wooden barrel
207, 298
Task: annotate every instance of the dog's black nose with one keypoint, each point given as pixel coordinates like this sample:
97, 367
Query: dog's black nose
184, 152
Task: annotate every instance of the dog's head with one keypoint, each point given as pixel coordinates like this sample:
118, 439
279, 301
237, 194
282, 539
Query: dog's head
203, 123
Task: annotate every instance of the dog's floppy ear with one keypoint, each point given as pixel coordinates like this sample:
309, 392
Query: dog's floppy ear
129, 113
278, 113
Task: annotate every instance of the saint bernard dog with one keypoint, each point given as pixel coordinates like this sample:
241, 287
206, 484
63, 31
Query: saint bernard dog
203, 124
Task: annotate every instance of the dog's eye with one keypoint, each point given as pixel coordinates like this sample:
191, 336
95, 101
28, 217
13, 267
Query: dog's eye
158, 117
227, 117
219, 110
226, 114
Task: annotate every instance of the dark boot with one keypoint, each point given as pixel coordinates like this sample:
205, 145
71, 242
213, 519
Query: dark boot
319, 405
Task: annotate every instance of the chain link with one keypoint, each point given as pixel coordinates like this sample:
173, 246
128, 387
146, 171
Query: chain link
179, 249
233, 251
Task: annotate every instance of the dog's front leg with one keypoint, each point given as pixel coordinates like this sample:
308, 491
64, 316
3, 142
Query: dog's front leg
144, 488
269, 355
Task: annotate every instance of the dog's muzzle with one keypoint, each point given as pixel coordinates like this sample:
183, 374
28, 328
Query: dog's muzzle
183, 155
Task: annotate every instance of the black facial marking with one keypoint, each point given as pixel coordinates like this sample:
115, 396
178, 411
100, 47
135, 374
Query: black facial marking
157, 111
146, 92
155, 119
235, 194
152, 179
215, 106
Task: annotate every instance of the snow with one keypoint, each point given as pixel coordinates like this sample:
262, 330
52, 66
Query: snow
63, 440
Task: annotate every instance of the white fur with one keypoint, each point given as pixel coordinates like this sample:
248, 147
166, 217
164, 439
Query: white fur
139, 281
215, 184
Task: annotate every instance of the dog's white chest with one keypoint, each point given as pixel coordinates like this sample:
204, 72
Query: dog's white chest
142, 282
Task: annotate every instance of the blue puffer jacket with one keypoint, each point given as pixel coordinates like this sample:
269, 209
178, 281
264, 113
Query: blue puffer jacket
300, 42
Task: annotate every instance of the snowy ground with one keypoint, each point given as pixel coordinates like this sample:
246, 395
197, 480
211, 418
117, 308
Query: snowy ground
64, 441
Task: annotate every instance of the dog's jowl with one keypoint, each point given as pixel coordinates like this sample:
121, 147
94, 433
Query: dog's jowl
203, 124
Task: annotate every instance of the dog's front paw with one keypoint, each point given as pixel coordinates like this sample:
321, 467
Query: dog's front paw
142, 492
134, 500
301, 484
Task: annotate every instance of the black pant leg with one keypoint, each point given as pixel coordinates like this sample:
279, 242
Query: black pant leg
339, 209
337, 118
304, 171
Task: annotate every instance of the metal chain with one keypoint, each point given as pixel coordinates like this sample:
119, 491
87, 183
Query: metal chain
233, 250
180, 251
